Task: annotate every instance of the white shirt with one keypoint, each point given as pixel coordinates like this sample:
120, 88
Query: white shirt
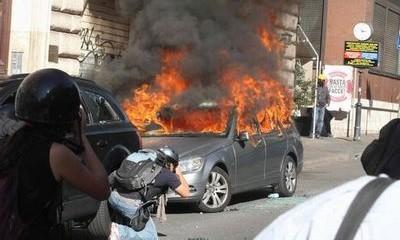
320, 217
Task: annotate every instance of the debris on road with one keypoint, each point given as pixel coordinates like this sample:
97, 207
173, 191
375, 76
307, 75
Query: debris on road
231, 209
273, 195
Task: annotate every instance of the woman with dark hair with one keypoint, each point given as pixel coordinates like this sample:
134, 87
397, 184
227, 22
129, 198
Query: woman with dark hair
39, 157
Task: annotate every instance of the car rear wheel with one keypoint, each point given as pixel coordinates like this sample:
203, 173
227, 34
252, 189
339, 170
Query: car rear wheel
288, 179
218, 192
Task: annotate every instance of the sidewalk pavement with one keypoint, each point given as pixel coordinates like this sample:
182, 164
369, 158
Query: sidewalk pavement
326, 148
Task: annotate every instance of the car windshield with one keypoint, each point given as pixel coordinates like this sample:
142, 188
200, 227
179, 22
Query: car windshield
205, 119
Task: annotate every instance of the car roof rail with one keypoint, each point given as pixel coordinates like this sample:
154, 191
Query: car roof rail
23, 75
17, 76
83, 79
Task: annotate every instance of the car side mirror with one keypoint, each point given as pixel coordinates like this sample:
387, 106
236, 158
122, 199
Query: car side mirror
243, 137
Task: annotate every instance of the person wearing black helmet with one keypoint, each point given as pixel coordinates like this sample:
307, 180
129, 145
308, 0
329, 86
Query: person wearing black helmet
126, 214
39, 157
171, 162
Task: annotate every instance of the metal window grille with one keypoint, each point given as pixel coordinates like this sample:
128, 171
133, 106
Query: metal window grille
16, 62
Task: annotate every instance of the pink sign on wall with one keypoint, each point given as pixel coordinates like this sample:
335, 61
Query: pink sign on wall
340, 85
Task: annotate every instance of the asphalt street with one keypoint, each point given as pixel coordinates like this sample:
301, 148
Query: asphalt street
328, 162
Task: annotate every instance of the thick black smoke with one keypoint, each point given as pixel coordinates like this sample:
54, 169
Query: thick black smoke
218, 34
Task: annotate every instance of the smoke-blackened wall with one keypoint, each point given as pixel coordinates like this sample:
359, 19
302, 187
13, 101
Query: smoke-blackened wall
215, 34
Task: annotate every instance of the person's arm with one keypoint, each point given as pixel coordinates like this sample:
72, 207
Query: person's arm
183, 188
328, 97
89, 177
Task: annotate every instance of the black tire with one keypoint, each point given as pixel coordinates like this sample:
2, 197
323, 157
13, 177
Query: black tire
100, 227
288, 179
215, 187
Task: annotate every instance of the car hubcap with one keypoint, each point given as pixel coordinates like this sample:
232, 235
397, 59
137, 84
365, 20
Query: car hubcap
290, 176
216, 191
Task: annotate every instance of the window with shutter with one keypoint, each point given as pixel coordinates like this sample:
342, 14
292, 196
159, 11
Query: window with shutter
311, 20
395, 2
386, 25
391, 34
379, 29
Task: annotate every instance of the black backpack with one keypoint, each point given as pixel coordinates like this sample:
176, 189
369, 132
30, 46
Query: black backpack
134, 176
382, 155
137, 174
10, 223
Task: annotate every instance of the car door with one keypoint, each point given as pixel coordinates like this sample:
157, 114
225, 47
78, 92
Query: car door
250, 157
108, 129
276, 144
111, 136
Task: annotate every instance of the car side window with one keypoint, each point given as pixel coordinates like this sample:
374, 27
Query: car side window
101, 109
10, 99
267, 125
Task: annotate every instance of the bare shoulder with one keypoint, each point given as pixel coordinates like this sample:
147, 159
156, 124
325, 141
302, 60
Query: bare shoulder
59, 151
60, 158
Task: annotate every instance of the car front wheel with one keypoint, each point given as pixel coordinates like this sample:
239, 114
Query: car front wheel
217, 193
288, 179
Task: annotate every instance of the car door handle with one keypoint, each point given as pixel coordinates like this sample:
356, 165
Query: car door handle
102, 143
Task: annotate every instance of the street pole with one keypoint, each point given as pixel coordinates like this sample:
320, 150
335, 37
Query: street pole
357, 125
316, 77
315, 99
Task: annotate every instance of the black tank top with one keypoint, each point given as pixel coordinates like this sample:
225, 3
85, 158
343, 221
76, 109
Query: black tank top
38, 191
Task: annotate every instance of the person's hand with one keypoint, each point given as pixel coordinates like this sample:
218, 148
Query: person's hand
178, 170
79, 125
83, 119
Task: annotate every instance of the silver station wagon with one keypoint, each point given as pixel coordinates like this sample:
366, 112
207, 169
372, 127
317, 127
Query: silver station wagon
217, 165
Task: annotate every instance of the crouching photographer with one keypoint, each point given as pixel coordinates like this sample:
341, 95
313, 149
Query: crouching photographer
142, 181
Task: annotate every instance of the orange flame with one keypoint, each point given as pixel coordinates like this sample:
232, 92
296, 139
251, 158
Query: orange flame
269, 41
265, 101
148, 100
261, 102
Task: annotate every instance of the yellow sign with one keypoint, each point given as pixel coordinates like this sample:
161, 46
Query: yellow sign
361, 54
371, 47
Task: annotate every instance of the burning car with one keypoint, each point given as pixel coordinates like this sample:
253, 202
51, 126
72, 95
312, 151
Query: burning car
219, 161
233, 134
108, 130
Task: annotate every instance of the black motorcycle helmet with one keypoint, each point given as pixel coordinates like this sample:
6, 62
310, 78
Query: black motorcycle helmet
167, 155
48, 97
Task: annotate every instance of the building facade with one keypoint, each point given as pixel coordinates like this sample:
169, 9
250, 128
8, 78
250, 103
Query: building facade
329, 24
78, 35
70, 35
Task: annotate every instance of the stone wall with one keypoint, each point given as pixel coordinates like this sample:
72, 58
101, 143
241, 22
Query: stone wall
64, 46
287, 28
83, 34
104, 35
